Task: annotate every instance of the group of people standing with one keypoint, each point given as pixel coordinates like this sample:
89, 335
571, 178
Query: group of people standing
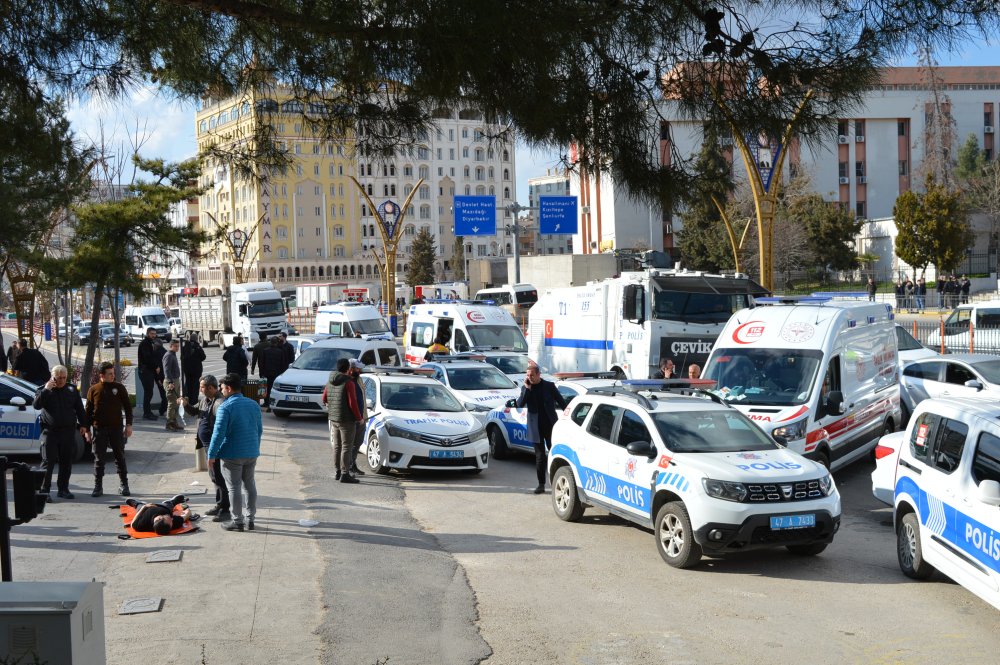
173, 370
909, 296
912, 296
953, 291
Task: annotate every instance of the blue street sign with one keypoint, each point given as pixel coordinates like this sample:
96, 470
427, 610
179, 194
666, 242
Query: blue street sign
557, 214
475, 215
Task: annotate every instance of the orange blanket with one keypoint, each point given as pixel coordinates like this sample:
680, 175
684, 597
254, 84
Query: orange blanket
128, 512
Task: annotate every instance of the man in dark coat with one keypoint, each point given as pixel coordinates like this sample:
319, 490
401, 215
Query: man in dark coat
258, 348
62, 415
288, 348
150, 373
541, 397
273, 364
192, 365
236, 359
30, 364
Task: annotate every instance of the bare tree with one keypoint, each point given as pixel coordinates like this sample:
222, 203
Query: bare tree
940, 135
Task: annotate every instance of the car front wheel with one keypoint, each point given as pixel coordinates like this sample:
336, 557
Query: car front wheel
565, 500
498, 445
675, 537
374, 455
908, 550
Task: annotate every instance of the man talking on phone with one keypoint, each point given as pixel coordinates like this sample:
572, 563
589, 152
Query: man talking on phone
541, 397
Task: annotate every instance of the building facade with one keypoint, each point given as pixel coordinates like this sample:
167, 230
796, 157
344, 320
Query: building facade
554, 183
308, 222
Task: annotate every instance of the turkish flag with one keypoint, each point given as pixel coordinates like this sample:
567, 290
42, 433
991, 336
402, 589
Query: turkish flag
548, 329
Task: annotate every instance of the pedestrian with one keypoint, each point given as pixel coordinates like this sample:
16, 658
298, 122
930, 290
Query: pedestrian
343, 414
666, 370
255, 352
150, 371
940, 291
541, 398
3, 358
287, 347
30, 364
921, 293
172, 383
964, 285
62, 416
236, 359
359, 431
273, 363
12, 354
207, 411
908, 293
694, 371
872, 288
107, 403
236, 441
899, 291
192, 365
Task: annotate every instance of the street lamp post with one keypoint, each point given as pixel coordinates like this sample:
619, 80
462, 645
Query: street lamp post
516, 209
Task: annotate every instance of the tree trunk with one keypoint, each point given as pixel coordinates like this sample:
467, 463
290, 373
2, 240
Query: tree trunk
95, 317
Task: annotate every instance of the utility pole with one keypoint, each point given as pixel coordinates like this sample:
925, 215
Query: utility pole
516, 209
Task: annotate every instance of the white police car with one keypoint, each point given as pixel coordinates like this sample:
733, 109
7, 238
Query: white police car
300, 388
20, 424
698, 472
947, 493
414, 422
512, 363
481, 386
507, 426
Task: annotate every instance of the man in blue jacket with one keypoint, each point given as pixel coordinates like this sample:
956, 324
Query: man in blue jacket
236, 441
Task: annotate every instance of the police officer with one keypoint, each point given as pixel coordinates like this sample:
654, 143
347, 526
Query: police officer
150, 373
62, 415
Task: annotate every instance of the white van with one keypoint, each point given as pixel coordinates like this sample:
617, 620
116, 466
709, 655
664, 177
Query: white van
138, 319
517, 296
971, 328
819, 375
465, 324
351, 319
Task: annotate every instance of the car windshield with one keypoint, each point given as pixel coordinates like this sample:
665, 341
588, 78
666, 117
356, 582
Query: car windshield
370, 326
154, 319
498, 336
107, 331
710, 432
990, 370
324, 359
905, 341
21, 383
771, 377
697, 307
419, 397
266, 308
509, 364
478, 378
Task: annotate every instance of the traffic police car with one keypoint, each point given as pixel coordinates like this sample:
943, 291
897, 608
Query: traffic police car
20, 422
947, 493
512, 363
481, 386
698, 472
507, 426
414, 422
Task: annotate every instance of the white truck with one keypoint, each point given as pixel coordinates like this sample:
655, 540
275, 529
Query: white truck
627, 324
250, 310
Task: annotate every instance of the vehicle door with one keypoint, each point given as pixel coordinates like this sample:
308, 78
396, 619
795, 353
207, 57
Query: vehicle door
371, 400
19, 429
955, 376
444, 331
983, 527
461, 342
920, 381
635, 473
599, 454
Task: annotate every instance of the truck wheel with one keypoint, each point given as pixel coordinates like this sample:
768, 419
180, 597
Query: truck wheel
498, 445
565, 500
807, 550
675, 537
221, 341
374, 455
908, 550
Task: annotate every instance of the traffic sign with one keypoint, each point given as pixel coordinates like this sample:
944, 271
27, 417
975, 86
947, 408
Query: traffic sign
475, 215
557, 215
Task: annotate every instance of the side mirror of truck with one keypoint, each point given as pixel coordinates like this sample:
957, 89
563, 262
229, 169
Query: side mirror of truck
973, 383
835, 403
989, 492
641, 449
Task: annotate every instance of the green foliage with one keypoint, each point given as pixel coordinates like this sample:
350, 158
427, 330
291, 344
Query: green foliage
830, 230
421, 266
933, 227
971, 160
703, 241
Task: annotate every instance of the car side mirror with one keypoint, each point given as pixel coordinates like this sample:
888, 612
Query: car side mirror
973, 383
989, 492
641, 449
835, 402
19, 402
370, 403
511, 404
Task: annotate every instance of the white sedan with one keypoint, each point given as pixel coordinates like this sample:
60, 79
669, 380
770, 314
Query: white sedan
414, 422
481, 386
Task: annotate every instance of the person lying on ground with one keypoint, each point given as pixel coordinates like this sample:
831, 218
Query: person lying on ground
159, 518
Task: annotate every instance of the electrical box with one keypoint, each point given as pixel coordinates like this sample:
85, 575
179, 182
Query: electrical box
55, 622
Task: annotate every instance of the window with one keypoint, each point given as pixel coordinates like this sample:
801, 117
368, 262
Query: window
842, 127
900, 128
603, 422
465, 153
842, 169
465, 132
958, 374
904, 167
282, 252
859, 168
986, 461
338, 231
317, 211
861, 209
422, 334
632, 429
318, 230
580, 413
950, 444
859, 128
927, 371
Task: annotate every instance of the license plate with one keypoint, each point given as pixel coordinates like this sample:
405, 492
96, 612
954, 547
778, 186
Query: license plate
447, 454
297, 398
792, 522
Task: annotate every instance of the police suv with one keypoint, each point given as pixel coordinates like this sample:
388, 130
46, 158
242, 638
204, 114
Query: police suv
507, 426
698, 472
944, 475
414, 422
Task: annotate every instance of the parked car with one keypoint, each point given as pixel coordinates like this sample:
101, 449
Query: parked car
955, 375
81, 335
20, 431
942, 478
984, 320
909, 349
174, 324
481, 386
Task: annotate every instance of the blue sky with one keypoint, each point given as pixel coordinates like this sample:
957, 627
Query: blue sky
167, 126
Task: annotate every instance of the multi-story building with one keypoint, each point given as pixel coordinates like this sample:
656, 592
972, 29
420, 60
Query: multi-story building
308, 222
554, 183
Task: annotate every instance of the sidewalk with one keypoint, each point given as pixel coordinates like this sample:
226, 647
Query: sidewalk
244, 598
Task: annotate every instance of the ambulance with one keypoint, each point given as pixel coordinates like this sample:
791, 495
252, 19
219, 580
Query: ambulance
627, 324
817, 374
351, 319
465, 324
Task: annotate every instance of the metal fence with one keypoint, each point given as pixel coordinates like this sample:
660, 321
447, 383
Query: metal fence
968, 338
